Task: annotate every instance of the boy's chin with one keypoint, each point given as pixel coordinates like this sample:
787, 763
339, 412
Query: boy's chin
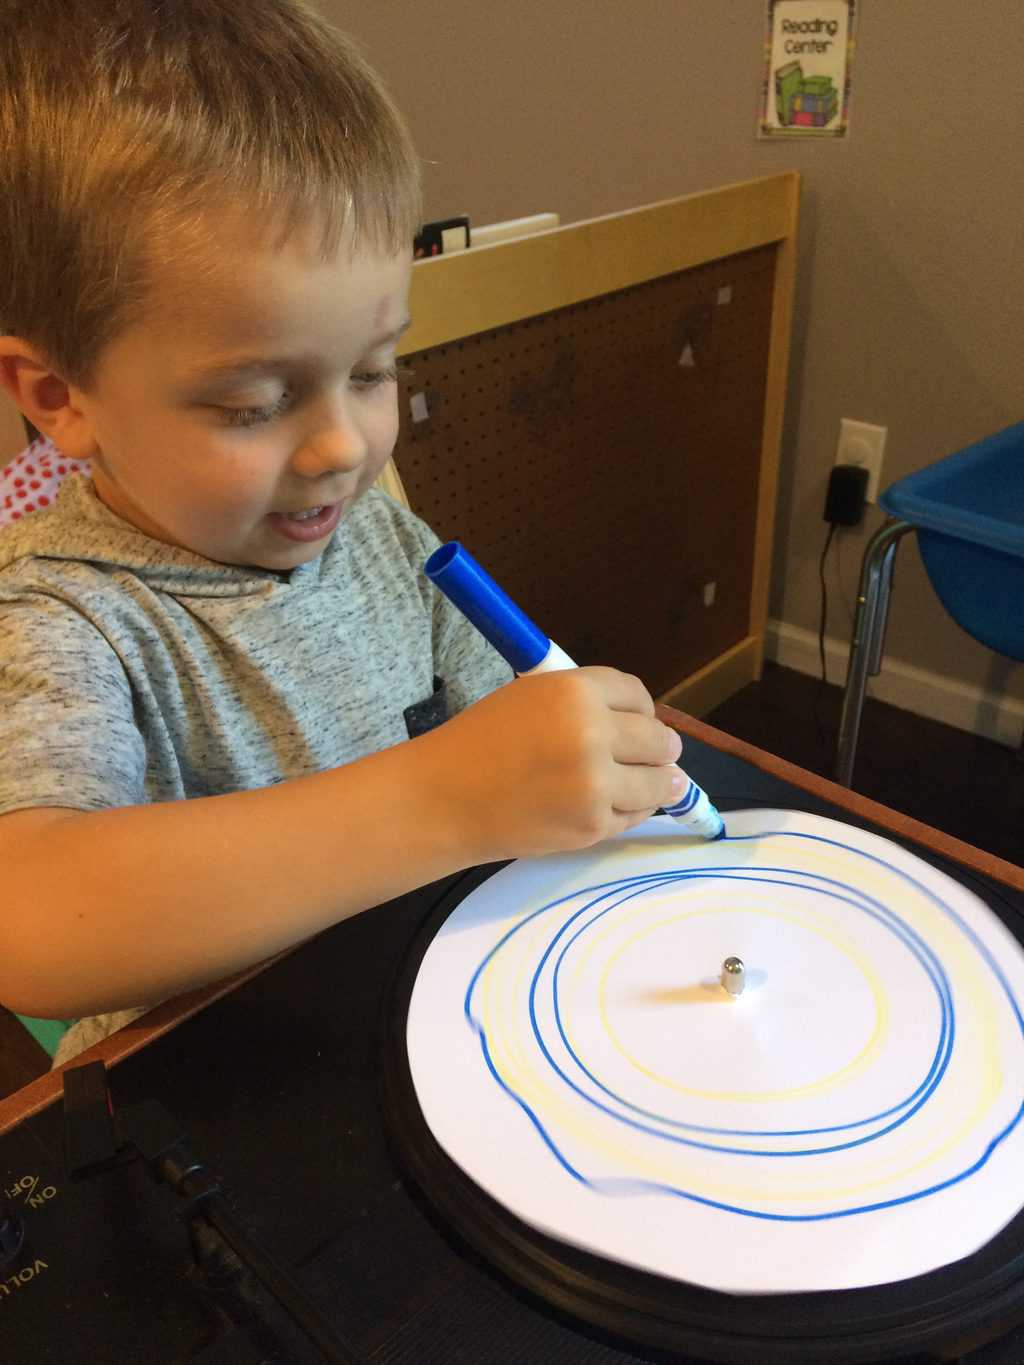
288, 555
282, 562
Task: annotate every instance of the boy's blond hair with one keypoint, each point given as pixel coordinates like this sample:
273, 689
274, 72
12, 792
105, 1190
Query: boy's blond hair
124, 122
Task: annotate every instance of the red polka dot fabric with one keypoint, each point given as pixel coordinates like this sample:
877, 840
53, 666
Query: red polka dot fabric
31, 480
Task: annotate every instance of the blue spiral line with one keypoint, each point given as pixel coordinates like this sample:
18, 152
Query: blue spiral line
933, 1077
645, 882
631, 1188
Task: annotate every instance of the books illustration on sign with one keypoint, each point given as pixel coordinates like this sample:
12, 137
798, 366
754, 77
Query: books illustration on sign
804, 101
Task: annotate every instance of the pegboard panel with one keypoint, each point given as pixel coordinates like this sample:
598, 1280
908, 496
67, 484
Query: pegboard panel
602, 461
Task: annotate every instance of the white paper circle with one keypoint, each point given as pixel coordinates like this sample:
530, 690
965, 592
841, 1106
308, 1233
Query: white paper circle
853, 1118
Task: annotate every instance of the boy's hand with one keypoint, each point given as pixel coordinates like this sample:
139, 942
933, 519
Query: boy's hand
553, 762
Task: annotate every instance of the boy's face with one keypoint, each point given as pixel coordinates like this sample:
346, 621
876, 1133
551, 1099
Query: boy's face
256, 466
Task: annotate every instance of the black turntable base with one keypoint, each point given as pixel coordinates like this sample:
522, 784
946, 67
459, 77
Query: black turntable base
930, 1317
323, 1159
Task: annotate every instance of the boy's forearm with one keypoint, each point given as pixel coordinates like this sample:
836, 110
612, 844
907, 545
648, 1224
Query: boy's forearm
126, 907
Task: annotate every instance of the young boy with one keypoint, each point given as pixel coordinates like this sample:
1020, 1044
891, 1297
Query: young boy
213, 652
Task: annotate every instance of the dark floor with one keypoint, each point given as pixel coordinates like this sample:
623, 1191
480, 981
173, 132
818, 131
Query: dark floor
956, 782
969, 787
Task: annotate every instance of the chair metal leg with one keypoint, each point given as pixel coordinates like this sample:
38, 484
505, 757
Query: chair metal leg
868, 637
876, 639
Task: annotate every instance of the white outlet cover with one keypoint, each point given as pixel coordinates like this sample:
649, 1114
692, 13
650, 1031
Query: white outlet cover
862, 443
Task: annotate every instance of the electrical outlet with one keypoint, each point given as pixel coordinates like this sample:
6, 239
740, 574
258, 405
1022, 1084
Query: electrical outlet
862, 444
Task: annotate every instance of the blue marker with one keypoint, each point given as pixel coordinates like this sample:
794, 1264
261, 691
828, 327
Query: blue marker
528, 650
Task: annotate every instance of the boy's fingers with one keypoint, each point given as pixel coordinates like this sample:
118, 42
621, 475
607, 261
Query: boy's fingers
642, 739
635, 818
639, 788
621, 691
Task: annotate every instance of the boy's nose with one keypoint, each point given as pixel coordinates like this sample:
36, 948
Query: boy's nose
335, 445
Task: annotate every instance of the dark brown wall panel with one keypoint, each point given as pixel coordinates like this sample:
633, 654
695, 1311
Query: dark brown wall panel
600, 481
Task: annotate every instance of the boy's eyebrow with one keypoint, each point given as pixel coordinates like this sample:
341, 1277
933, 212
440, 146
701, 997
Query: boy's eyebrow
268, 365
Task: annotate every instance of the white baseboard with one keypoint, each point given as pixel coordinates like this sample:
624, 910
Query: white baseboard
925, 693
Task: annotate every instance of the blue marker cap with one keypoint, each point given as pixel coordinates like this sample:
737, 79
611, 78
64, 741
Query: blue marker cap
491, 610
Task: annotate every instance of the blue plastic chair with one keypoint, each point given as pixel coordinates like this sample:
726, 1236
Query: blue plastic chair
968, 512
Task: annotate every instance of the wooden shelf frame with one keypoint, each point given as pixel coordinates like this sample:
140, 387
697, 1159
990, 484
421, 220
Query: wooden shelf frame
477, 291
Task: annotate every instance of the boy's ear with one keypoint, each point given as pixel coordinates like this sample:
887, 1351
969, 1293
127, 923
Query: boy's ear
45, 398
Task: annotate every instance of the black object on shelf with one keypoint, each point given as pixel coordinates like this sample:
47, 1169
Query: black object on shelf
430, 240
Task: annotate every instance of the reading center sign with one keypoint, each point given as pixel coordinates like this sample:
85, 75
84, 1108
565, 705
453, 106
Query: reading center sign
808, 54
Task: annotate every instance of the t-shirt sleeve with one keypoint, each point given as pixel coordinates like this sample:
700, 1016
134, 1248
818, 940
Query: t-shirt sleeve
67, 730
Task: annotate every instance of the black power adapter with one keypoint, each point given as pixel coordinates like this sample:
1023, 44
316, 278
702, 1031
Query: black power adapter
844, 502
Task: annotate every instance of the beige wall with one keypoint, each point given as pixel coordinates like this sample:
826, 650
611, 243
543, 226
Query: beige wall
910, 306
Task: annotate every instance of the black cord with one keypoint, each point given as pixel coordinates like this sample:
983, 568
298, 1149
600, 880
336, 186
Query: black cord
824, 600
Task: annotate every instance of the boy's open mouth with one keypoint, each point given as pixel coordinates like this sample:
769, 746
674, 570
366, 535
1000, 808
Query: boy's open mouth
312, 523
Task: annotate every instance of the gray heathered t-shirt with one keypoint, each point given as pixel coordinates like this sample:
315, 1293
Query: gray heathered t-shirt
133, 671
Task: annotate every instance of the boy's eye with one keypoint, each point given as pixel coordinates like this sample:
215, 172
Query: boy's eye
363, 380
251, 417
370, 379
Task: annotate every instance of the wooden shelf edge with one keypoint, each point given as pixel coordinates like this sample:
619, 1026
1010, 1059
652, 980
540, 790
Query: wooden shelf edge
893, 821
40, 1093
476, 291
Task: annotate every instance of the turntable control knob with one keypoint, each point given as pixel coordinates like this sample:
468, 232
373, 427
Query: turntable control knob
12, 1231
